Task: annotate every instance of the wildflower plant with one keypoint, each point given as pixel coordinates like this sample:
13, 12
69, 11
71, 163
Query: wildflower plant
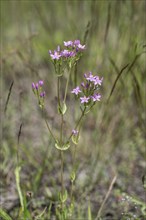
86, 94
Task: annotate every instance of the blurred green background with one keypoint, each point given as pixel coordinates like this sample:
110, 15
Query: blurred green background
113, 136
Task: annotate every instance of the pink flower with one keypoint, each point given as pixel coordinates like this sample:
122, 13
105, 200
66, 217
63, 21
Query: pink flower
76, 42
41, 83
96, 97
76, 90
42, 94
68, 43
97, 80
55, 56
33, 85
75, 132
89, 77
82, 47
84, 99
37, 86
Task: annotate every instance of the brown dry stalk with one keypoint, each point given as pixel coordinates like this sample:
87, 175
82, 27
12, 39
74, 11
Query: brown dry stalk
106, 197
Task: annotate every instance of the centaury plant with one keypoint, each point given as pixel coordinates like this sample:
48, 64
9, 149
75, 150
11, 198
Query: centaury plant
86, 94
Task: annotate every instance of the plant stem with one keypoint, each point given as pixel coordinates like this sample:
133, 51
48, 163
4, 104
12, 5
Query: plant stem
62, 178
62, 185
61, 130
106, 197
49, 129
79, 121
66, 88
72, 182
61, 143
58, 88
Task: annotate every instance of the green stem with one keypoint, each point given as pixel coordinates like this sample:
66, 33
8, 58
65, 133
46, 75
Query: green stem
49, 129
61, 130
62, 185
72, 182
61, 143
58, 90
17, 154
66, 88
79, 121
62, 178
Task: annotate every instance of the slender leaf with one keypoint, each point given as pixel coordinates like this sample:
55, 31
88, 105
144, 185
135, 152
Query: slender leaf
17, 171
4, 215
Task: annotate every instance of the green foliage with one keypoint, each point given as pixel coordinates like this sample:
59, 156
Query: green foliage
24, 212
62, 147
4, 215
17, 174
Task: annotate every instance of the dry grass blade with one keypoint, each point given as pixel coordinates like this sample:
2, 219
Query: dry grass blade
18, 139
117, 78
106, 197
8, 97
115, 67
134, 61
120, 73
87, 32
19, 133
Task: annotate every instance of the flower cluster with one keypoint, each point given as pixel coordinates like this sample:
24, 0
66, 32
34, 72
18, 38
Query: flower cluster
72, 48
88, 91
38, 91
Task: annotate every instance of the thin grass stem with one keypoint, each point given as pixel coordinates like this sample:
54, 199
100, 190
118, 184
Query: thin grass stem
106, 197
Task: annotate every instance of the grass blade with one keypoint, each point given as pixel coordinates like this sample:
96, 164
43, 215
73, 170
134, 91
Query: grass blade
8, 97
4, 215
117, 78
17, 170
89, 212
106, 197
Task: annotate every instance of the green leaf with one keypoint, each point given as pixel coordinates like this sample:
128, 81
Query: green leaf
41, 214
63, 197
70, 64
73, 176
144, 181
17, 171
4, 215
62, 147
89, 212
75, 139
62, 109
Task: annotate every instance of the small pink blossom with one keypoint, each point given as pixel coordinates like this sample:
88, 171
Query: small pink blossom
82, 47
97, 80
89, 77
33, 85
84, 99
75, 132
96, 97
76, 90
41, 83
55, 56
76, 42
42, 94
37, 86
68, 43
